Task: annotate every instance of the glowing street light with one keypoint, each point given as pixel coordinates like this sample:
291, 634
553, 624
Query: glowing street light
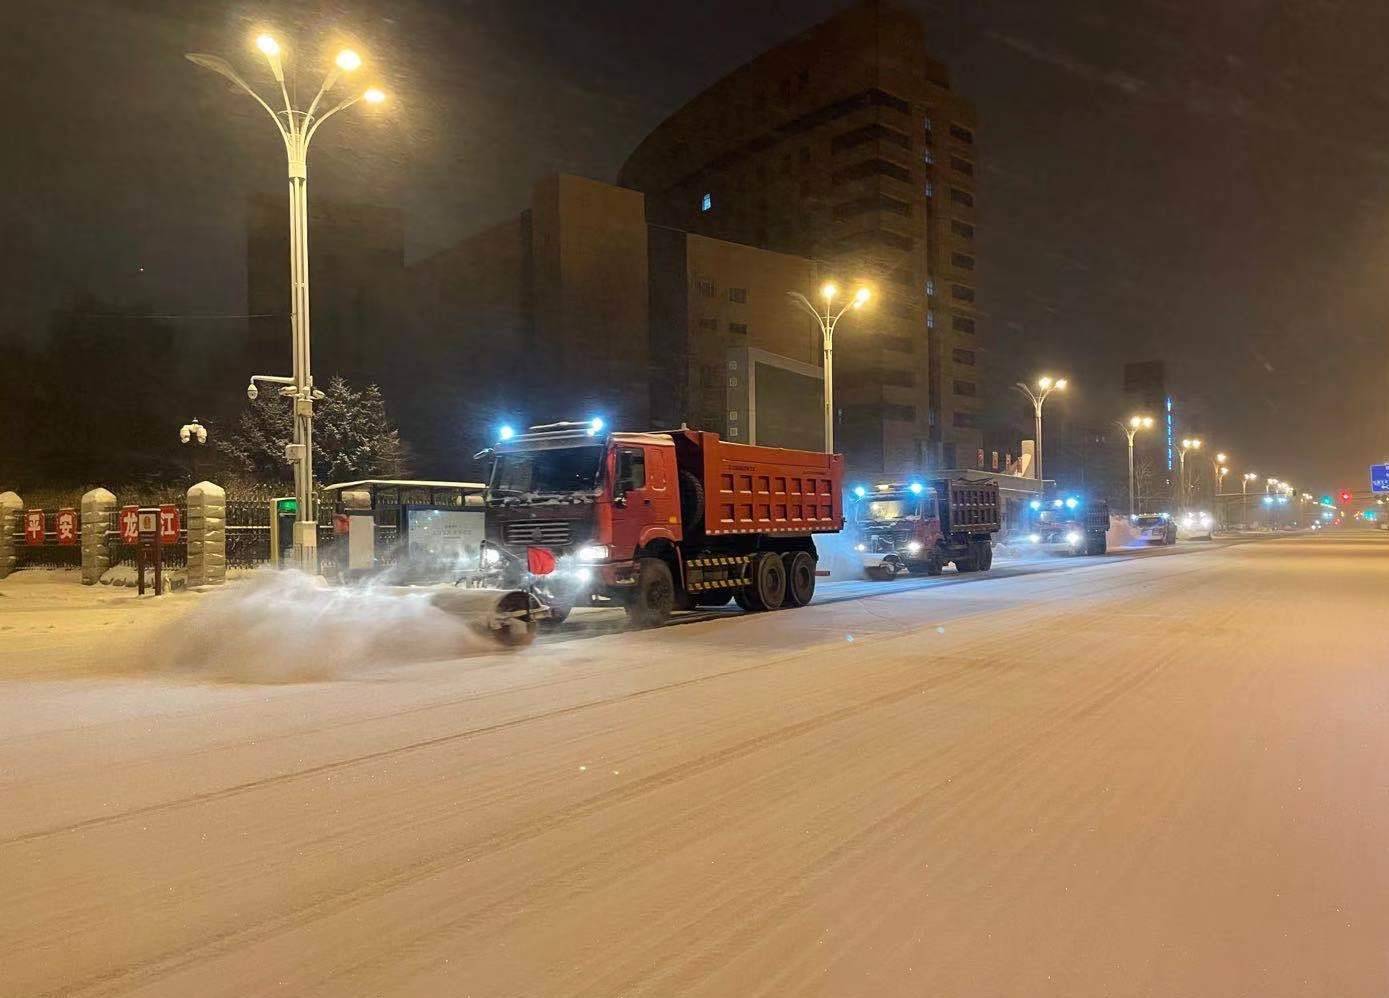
1045, 386
297, 128
1190, 443
1134, 424
828, 320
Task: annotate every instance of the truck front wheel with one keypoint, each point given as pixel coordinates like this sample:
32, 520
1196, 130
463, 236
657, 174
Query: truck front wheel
985, 557
654, 596
768, 589
800, 578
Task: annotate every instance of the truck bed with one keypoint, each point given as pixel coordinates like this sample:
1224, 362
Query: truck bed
763, 490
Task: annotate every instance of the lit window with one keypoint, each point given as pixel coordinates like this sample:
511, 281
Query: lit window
930, 287
706, 203
930, 189
928, 156
930, 319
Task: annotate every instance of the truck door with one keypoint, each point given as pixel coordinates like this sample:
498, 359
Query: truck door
631, 500
643, 478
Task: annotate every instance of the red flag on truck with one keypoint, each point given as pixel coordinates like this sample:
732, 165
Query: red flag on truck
540, 561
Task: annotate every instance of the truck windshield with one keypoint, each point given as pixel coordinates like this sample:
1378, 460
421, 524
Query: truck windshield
561, 471
889, 509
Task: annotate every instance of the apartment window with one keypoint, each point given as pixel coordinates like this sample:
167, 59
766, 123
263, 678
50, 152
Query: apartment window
962, 324
961, 356
962, 197
930, 188
871, 168
930, 287
870, 133
961, 134
928, 156
739, 295
905, 413
930, 318
964, 420
873, 202
710, 324
965, 388
962, 166
928, 125
706, 203
706, 287
962, 229
876, 237
741, 328
962, 260
961, 292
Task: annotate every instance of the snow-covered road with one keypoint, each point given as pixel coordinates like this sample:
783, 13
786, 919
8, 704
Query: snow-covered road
1161, 775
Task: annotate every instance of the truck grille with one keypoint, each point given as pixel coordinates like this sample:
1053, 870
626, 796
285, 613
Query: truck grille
548, 532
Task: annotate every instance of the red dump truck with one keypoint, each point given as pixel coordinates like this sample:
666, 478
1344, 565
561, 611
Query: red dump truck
660, 521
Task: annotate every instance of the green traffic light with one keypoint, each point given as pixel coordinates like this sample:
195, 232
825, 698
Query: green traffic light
287, 506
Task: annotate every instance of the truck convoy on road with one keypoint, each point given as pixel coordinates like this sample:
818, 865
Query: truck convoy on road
920, 527
1073, 525
659, 521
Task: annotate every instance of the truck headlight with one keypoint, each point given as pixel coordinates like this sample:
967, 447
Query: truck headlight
592, 552
860, 547
1034, 538
1073, 538
491, 556
913, 547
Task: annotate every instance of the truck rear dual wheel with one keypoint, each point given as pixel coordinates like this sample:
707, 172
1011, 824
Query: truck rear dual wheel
800, 577
768, 589
1096, 544
654, 595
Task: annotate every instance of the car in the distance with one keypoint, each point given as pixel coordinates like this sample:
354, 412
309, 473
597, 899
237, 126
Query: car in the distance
1154, 528
1196, 524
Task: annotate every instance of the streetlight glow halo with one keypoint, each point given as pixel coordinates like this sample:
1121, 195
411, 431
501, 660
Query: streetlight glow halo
267, 45
348, 60
374, 95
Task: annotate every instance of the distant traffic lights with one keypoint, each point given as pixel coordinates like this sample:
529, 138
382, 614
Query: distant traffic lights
1345, 496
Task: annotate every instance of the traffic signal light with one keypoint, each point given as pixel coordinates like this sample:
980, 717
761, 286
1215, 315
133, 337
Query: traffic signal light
1345, 496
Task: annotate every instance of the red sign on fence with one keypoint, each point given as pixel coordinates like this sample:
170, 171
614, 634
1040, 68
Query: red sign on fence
168, 523
65, 525
33, 526
129, 524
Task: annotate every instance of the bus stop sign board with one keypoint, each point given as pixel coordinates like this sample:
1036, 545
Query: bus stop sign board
1379, 478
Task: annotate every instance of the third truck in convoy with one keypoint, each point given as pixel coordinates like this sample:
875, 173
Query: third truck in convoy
920, 527
659, 521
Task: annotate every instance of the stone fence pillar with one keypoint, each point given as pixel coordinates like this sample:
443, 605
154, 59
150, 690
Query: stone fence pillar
207, 535
10, 506
98, 506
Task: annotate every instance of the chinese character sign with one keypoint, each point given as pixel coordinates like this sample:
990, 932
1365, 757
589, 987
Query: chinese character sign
129, 521
33, 526
65, 525
168, 524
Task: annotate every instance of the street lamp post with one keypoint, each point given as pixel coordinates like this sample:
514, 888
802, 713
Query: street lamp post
1038, 398
1192, 443
193, 435
827, 321
297, 128
1130, 428
1218, 471
1246, 478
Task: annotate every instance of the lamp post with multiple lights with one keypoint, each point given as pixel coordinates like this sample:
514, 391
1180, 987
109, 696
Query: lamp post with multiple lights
1130, 428
827, 320
1191, 443
1038, 398
1245, 479
297, 128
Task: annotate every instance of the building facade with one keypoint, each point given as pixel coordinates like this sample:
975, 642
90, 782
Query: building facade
845, 145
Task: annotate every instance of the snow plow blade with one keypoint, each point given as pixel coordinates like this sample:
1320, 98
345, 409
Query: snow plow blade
508, 616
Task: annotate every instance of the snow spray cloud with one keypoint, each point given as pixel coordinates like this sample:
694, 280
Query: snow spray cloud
288, 627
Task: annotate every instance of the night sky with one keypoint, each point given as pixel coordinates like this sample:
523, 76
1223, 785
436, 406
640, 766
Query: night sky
1203, 184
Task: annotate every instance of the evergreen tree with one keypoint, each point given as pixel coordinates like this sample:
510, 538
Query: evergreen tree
353, 437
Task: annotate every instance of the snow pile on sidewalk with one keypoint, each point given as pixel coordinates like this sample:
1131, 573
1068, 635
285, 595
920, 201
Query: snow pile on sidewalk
285, 627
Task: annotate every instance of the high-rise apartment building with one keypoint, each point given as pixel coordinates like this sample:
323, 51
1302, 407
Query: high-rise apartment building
847, 146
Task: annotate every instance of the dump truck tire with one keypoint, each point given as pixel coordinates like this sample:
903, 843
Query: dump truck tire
768, 589
654, 595
800, 577
691, 501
